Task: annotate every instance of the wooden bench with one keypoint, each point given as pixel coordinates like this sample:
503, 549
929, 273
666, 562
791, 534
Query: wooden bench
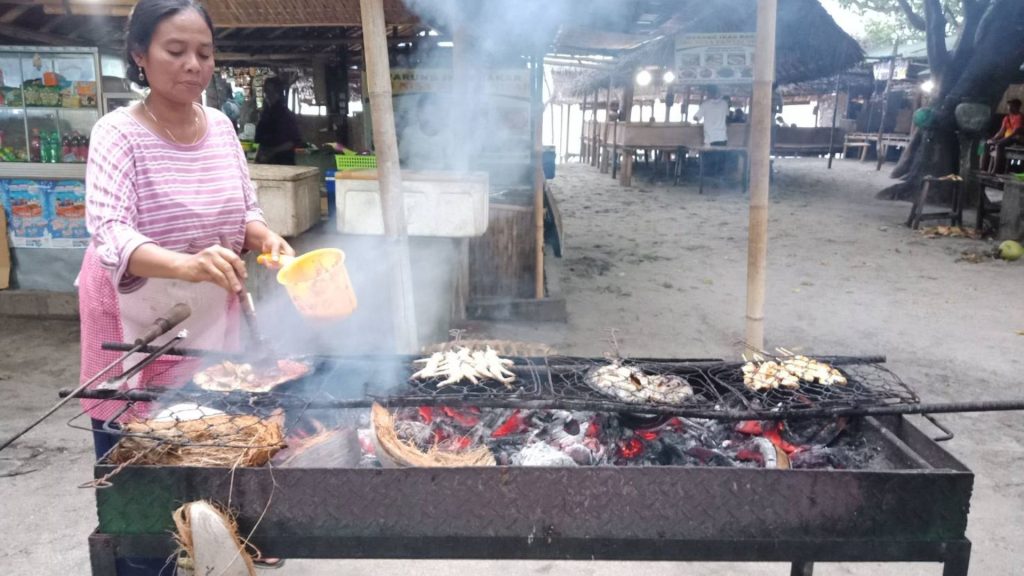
987, 210
892, 141
857, 140
791, 141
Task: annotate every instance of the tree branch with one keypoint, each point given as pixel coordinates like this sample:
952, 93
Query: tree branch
913, 18
938, 55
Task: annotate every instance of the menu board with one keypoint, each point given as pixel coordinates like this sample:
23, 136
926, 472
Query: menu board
715, 58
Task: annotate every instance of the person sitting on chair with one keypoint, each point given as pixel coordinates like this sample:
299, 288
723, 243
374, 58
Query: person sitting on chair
1010, 132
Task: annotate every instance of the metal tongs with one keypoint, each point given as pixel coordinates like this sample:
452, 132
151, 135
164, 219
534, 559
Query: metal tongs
262, 351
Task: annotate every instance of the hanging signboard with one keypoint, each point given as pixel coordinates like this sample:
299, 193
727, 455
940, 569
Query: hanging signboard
899, 71
715, 58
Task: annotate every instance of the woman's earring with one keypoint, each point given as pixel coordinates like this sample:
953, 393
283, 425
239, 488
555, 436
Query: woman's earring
142, 74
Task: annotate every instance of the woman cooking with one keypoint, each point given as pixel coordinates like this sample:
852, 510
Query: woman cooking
169, 205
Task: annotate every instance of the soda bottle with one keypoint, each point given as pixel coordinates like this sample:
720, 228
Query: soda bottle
35, 150
67, 153
54, 147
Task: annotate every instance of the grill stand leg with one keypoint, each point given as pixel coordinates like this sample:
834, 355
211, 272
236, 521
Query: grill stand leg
802, 569
959, 559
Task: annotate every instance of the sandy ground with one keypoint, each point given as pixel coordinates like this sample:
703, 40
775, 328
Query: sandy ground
665, 269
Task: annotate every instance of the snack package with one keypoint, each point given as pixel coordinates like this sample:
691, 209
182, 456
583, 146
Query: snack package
28, 217
67, 214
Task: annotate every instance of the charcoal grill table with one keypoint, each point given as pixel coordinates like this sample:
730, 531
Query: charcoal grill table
917, 513
909, 505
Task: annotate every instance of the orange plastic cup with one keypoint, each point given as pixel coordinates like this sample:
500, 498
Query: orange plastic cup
317, 283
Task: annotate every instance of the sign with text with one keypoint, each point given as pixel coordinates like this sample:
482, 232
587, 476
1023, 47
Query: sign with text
715, 58
899, 71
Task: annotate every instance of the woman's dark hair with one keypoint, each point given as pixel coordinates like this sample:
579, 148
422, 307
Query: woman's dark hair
145, 17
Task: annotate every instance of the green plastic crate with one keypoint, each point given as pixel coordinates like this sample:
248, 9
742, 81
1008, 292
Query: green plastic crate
354, 162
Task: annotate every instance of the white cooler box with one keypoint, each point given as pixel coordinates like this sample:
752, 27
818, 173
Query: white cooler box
288, 195
442, 204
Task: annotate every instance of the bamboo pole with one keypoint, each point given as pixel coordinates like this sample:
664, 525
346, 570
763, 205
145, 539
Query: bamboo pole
760, 166
832, 135
567, 112
583, 129
378, 81
538, 174
885, 105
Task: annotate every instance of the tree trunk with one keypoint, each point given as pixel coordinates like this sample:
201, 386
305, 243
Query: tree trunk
980, 70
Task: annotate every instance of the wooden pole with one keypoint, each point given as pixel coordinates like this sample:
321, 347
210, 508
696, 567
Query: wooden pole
378, 81
567, 111
686, 105
885, 105
832, 135
538, 173
760, 167
583, 129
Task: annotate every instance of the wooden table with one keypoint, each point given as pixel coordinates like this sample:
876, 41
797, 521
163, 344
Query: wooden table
628, 137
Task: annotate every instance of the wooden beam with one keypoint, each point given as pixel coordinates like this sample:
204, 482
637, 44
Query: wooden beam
14, 13
88, 10
251, 57
12, 31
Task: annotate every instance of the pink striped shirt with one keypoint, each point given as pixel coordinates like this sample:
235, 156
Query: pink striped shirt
141, 188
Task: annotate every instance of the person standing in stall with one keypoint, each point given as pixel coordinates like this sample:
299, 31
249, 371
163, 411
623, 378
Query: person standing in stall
277, 132
713, 113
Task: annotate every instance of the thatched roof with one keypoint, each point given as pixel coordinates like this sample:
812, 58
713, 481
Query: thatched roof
809, 44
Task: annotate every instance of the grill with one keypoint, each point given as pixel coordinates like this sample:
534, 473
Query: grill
908, 500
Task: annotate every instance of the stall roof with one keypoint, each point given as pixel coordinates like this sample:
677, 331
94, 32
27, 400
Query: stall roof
247, 30
809, 43
592, 33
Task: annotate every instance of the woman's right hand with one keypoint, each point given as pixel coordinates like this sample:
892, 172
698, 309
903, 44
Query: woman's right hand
215, 264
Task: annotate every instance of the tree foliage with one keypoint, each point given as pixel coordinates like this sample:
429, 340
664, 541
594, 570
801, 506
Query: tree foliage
886, 20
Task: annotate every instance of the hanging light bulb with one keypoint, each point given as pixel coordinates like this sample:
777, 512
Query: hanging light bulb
927, 86
643, 78
669, 77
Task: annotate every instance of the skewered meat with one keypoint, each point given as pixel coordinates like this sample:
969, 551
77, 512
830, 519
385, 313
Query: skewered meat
788, 371
228, 376
630, 384
465, 364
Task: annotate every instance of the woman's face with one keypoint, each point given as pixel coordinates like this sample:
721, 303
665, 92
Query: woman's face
179, 61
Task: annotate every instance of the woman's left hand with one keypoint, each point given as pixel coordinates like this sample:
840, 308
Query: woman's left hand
266, 241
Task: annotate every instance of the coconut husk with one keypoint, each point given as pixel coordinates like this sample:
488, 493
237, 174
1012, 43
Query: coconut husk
222, 549
223, 440
405, 454
502, 347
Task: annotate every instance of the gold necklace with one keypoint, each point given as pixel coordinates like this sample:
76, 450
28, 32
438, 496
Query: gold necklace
195, 124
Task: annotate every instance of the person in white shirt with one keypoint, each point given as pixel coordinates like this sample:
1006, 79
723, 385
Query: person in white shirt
713, 112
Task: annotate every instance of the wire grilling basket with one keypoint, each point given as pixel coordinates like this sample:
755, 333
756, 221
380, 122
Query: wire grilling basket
555, 382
